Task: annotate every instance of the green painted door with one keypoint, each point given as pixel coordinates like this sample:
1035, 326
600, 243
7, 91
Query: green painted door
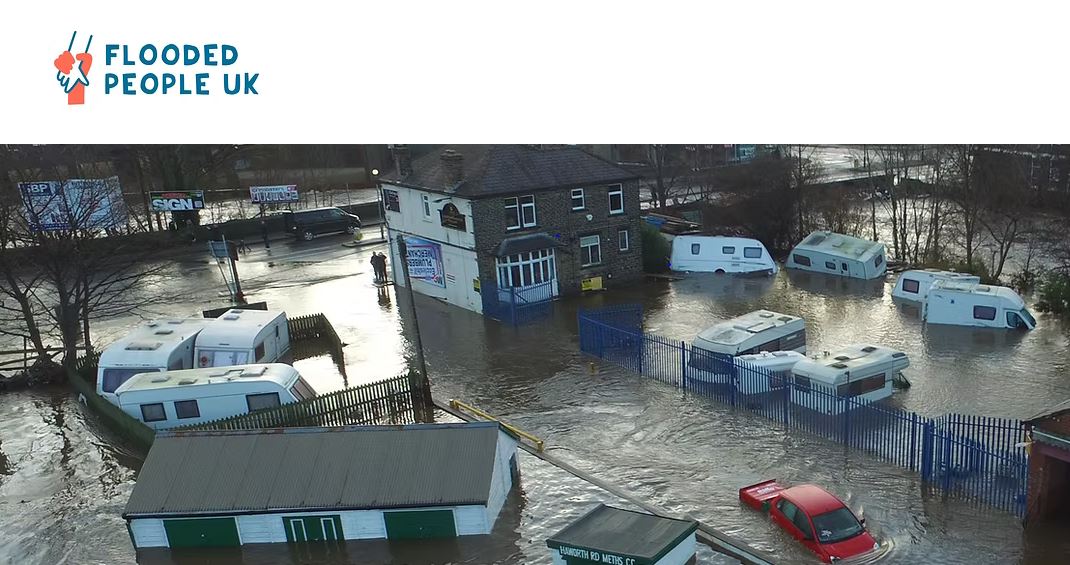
202, 532
313, 528
420, 524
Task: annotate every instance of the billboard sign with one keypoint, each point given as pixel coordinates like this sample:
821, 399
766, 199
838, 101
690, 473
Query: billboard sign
73, 204
273, 194
425, 261
177, 200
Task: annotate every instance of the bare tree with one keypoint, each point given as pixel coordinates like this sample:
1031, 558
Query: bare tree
668, 170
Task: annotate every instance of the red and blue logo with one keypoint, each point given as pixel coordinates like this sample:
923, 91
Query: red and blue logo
72, 71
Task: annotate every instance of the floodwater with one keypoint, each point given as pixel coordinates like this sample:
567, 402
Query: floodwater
63, 482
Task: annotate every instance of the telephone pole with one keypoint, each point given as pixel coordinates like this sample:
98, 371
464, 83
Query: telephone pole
423, 384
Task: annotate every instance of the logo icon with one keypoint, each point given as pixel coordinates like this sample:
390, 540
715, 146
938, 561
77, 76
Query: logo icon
72, 69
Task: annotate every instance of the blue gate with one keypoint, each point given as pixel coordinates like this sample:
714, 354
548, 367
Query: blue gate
518, 305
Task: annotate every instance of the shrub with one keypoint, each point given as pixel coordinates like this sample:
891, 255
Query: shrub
1055, 293
656, 249
978, 268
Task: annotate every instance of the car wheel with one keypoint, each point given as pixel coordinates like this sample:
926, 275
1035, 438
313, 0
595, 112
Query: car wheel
308, 236
719, 272
351, 229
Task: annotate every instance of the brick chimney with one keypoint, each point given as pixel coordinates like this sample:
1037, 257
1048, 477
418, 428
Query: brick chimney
402, 160
453, 163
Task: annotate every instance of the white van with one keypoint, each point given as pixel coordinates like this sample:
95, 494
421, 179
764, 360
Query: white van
761, 330
914, 285
973, 304
863, 372
713, 254
244, 336
758, 373
838, 254
181, 398
158, 345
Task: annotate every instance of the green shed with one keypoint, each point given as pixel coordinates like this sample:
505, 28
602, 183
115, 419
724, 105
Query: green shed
614, 536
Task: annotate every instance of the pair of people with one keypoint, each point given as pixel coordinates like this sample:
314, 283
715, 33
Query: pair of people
378, 261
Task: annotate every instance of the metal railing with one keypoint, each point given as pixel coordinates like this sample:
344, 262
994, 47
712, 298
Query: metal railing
462, 407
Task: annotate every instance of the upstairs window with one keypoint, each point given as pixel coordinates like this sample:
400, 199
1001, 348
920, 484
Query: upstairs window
616, 199
577, 199
519, 212
427, 206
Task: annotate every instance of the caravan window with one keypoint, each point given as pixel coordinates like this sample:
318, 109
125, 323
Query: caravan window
262, 401
830, 265
187, 409
910, 285
861, 386
175, 364
113, 378
801, 259
211, 358
728, 250
709, 361
153, 413
878, 260
752, 252
301, 390
695, 248
258, 354
984, 313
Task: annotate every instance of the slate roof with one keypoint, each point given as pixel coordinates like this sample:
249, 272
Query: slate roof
495, 170
354, 467
606, 529
524, 243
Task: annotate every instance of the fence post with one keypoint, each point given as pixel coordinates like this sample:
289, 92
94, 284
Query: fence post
913, 440
683, 365
927, 450
845, 413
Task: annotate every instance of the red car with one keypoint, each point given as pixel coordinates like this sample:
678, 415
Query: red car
815, 517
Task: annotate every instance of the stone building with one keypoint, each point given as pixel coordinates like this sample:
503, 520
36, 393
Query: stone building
486, 224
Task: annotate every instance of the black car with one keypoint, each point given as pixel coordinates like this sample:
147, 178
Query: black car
307, 224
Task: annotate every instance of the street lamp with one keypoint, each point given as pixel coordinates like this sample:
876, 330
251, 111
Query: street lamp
382, 210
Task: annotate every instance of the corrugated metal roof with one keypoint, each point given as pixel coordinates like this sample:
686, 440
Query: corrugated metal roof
614, 530
188, 473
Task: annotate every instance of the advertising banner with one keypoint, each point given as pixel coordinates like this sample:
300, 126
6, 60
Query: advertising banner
73, 204
177, 200
273, 194
425, 261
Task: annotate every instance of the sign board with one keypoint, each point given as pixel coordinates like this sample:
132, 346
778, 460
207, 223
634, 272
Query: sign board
391, 201
177, 200
425, 260
584, 555
222, 250
592, 283
73, 204
475, 285
452, 218
274, 194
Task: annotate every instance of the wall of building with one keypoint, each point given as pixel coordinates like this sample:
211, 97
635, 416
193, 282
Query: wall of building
460, 271
148, 532
681, 554
502, 478
1049, 490
554, 216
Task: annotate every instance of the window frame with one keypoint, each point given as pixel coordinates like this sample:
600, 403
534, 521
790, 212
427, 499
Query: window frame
582, 197
807, 263
248, 397
696, 248
196, 409
145, 417
425, 201
859, 387
616, 189
523, 206
878, 261
540, 263
907, 283
747, 253
586, 257
984, 308
830, 265
624, 244
728, 250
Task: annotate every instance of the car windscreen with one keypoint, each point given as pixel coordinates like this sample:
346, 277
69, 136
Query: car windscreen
114, 378
835, 526
1028, 318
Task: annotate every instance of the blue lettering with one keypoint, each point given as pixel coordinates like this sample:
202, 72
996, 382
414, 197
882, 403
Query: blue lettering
182, 85
151, 49
189, 59
109, 53
249, 88
168, 82
209, 55
202, 88
126, 56
172, 48
233, 54
144, 83
226, 84
110, 81
128, 83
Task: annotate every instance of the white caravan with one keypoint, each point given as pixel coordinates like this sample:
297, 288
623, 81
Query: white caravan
244, 336
159, 345
838, 254
864, 373
720, 254
914, 285
181, 398
763, 372
973, 304
754, 332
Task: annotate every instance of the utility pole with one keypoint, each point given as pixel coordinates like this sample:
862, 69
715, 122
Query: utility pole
424, 383
232, 258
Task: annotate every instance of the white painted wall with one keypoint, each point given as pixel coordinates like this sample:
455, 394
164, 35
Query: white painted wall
471, 520
680, 554
363, 524
501, 479
148, 532
262, 528
460, 268
411, 218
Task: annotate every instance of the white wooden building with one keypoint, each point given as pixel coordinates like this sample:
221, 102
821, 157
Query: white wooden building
202, 489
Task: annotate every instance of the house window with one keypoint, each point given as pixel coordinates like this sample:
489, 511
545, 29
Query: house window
695, 247
590, 251
153, 413
577, 199
622, 240
800, 259
526, 269
984, 313
910, 285
262, 401
752, 252
519, 212
427, 206
830, 265
187, 409
616, 199
728, 250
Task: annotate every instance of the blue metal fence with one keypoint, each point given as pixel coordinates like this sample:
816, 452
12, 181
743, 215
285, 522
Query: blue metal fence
518, 305
970, 457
